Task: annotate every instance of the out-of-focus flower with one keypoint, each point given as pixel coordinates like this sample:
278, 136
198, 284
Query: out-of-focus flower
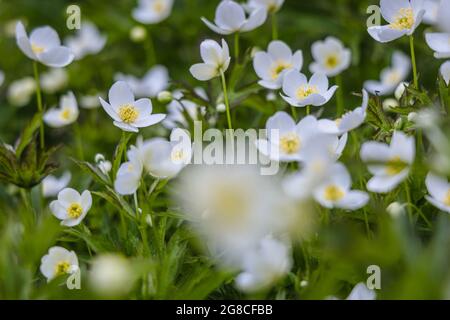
270, 6
71, 207
90, 101
129, 174
390, 164
129, 114
216, 60
138, 33
299, 92
396, 209
65, 114
439, 42
264, 265
271, 66
400, 90
111, 275
54, 80
57, 262
153, 82
88, 40
439, 190
390, 77
349, 121
230, 18
21, 91
431, 11
44, 46
335, 191
443, 21
152, 11
445, 72
103, 164
361, 292
330, 57
403, 17
180, 107
52, 185
389, 104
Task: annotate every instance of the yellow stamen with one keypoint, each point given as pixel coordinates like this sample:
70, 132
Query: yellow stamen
128, 113
403, 20
290, 143
393, 77
229, 203
62, 267
66, 113
74, 210
305, 91
447, 199
37, 49
333, 193
332, 61
158, 6
278, 68
395, 165
177, 155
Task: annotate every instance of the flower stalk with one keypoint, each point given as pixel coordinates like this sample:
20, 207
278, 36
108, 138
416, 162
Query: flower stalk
413, 60
227, 103
39, 103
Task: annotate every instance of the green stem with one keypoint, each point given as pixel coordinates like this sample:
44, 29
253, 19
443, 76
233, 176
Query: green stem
150, 48
225, 94
274, 26
119, 152
294, 113
308, 110
79, 142
413, 60
26, 198
236, 47
39, 102
408, 200
339, 96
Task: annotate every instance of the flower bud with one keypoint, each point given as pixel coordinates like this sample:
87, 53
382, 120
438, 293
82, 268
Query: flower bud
138, 34
221, 107
389, 104
396, 209
400, 90
165, 97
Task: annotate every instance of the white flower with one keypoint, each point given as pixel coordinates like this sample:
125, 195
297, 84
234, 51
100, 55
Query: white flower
271, 6
396, 209
440, 43
431, 11
128, 114
20, 91
54, 80
299, 92
103, 164
230, 18
65, 114
271, 66
88, 40
264, 265
361, 292
444, 12
52, 185
445, 72
57, 262
152, 11
216, 60
349, 121
71, 207
165, 159
439, 190
179, 107
390, 164
44, 46
90, 101
391, 77
389, 104
404, 17
153, 82
129, 175
335, 191
330, 57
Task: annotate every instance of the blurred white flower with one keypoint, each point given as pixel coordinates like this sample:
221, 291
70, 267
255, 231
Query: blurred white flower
439, 190
230, 18
90, 101
361, 292
129, 175
271, 66
129, 114
390, 77
389, 104
349, 121
299, 92
270, 6
152, 11
335, 191
103, 164
66, 113
443, 21
439, 42
52, 185
57, 262
445, 72
396, 209
400, 90
216, 60
88, 40
138, 33
44, 46
111, 275
178, 108
390, 164
265, 265
330, 57
21, 91
431, 11
403, 17
153, 82
71, 207
54, 80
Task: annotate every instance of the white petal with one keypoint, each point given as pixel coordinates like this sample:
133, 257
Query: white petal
109, 110
68, 196
384, 184
215, 28
229, 15
255, 20
353, 200
437, 186
56, 57
385, 33
125, 127
279, 50
150, 120
86, 200
203, 71
45, 37
120, 94
438, 204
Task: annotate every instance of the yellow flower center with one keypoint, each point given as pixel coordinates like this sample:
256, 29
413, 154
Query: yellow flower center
229, 203
393, 77
403, 20
128, 113
65, 114
74, 210
333, 193
290, 143
332, 61
305, 91
447, 199
62, 267
158, 6
279, 68
177, 155
395, 165
37, 49
338, 121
